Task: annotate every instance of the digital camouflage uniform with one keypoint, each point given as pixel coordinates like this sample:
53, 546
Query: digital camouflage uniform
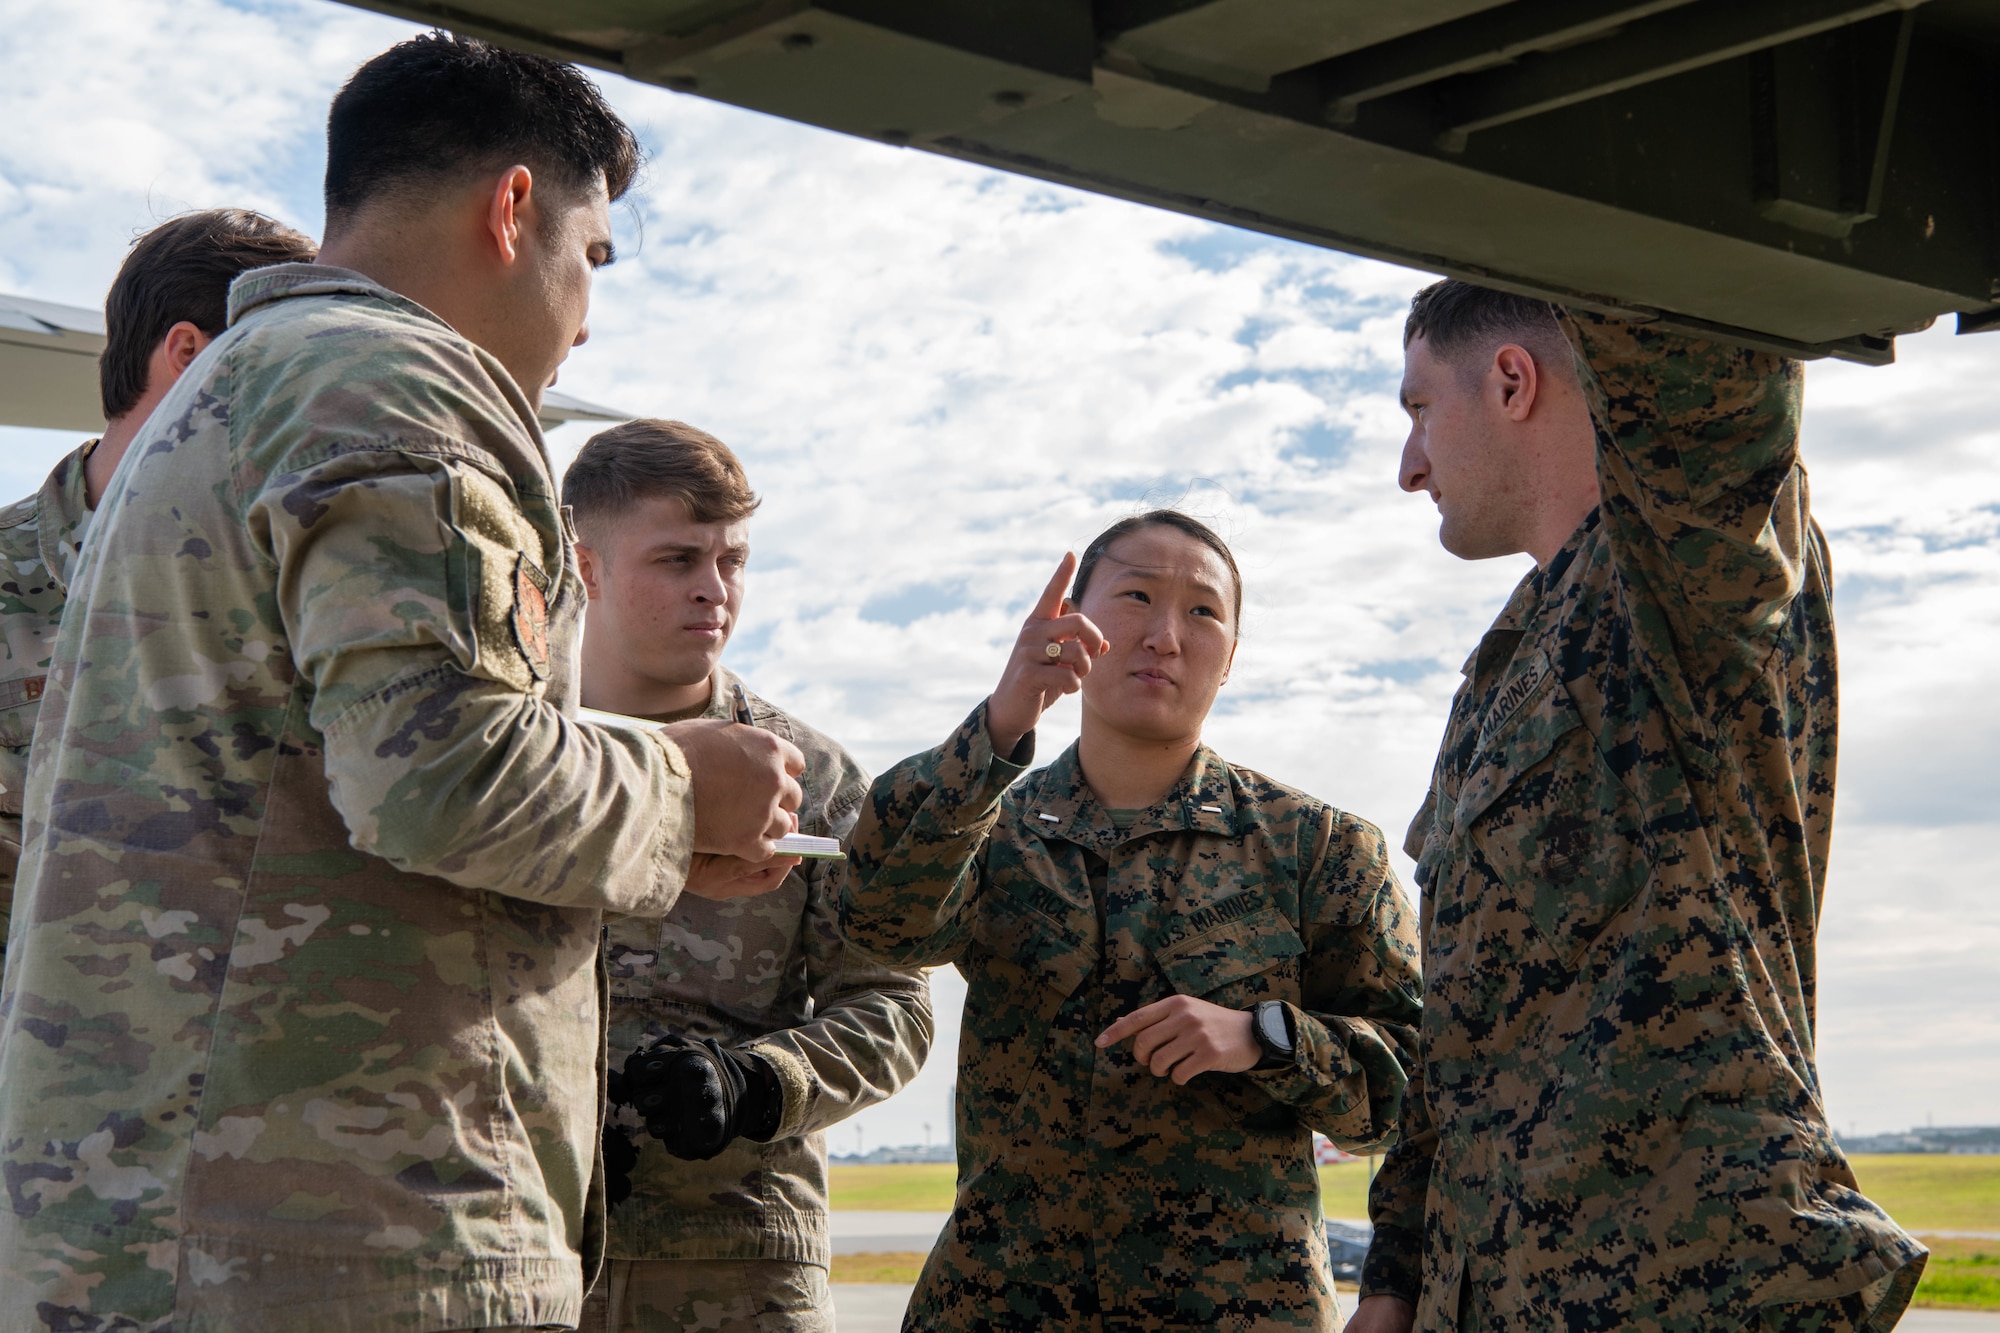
772, 975
38, 538
1093, 1195
1617, 1120
301, 1026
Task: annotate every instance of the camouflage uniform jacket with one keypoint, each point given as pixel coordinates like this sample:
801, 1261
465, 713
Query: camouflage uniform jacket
301, 1026
771, 974
38, 536
1617, 1119
1092, 1194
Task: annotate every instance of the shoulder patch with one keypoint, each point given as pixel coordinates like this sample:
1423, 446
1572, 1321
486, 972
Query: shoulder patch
14, 693
531, 614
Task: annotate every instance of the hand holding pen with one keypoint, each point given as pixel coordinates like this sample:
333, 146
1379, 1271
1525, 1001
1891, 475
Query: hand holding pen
717, 874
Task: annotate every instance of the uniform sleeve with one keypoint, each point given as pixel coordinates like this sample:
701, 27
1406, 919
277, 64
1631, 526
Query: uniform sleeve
1702, 497
1396, 1200
1354, 1035
914, 864
397, 574
870, 1031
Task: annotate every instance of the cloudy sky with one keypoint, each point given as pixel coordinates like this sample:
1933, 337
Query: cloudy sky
941, 378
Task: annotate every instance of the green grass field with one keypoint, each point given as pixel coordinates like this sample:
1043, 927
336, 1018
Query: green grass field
924, 1188
1934, 1193
1924, 1193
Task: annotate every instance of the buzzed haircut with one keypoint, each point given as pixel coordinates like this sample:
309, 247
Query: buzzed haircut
181, 271
1159, 518
441, 108
1460, 320
651, 459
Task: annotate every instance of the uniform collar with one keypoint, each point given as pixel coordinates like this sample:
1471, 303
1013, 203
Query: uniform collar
722, 694
1513, 618
1203, 801
266, 286
1526, 599
62, 510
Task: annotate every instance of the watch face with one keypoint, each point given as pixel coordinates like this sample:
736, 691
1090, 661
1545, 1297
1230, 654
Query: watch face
1272, 1019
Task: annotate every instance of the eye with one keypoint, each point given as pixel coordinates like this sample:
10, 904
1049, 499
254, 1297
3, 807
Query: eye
1138, 594
1208, 611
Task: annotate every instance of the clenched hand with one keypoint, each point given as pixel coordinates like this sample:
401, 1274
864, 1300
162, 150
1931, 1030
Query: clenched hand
746, 786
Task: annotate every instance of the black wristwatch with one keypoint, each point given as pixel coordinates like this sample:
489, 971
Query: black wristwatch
1273, 1026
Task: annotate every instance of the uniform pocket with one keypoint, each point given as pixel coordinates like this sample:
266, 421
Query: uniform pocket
1010, 926
1548, 817
1251, 957
1021, 969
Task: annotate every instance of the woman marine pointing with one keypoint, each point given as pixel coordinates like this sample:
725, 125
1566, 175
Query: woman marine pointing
1178, 968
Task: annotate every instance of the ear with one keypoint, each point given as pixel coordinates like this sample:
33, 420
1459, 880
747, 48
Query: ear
173, 354
1229, 664
1516, 379
588, 569
506, 212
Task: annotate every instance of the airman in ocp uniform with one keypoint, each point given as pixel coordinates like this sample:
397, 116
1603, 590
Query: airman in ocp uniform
168, 302
301, 1025
766, 1028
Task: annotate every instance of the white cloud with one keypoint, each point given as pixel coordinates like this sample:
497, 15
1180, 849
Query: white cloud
942, 377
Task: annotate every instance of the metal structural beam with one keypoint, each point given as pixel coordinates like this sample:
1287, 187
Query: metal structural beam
1812, 176
1657, 47
1481, 41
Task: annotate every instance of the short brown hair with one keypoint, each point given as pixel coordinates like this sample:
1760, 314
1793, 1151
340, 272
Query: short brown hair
1159, 518
181, 270
1457, 318
648, 459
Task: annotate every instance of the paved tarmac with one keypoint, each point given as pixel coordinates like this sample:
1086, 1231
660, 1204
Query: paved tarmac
869, 1307
878, 1308
884, 1233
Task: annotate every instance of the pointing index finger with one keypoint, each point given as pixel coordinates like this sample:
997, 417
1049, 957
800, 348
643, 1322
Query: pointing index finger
1138, 1020
1050, 604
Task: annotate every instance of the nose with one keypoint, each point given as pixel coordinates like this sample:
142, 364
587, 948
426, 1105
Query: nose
582, 334
1162, 637
711, 589
1415, 470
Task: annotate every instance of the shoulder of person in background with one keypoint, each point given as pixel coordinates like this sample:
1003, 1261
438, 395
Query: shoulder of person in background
834, 781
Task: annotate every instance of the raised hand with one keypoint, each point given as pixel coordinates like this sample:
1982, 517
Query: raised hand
1036, 677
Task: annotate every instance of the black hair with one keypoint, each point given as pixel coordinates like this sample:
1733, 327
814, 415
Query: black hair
181, 271
440, 106
1158, 518
1456, 318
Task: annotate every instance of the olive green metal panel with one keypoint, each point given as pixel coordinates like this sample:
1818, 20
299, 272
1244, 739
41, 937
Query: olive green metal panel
1246, 42
1810, 175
